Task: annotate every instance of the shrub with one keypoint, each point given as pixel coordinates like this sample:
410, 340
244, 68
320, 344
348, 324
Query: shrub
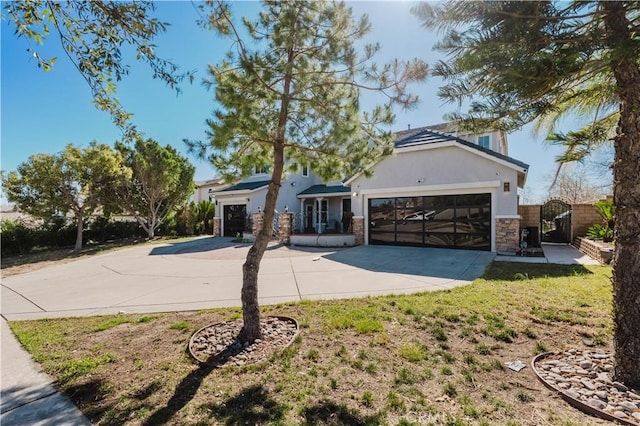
56, 232
607, 211
16, 238
603, 231
600, 232
185, 221
98, 229
104, 229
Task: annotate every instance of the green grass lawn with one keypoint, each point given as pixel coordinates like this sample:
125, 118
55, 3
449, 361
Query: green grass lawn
430, 358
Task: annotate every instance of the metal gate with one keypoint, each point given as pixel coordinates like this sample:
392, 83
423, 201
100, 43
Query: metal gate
555, 222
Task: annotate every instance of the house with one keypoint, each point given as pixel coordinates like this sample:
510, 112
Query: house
317, 207
441, 187
204, 190
441, 190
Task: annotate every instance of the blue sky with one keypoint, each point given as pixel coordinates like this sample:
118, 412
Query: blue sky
44, 111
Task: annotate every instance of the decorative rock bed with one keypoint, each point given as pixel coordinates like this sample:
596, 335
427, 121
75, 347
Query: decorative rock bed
218, 344
583, 379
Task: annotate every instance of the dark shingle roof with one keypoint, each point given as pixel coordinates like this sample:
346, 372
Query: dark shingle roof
450, 127
246, 186
324, 189
429, 136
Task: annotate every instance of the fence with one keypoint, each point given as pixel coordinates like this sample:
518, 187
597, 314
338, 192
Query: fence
582, 217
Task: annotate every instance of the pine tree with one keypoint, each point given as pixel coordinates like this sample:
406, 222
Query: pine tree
515, 62
289, 93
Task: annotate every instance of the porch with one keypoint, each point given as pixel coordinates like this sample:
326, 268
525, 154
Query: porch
324, 209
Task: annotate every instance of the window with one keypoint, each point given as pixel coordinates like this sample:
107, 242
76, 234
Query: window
305, 170
483, 141
262, 170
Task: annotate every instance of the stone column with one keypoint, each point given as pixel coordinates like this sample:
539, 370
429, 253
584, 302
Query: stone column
507, 235
286, 228
216, 226
357, 227
258, 221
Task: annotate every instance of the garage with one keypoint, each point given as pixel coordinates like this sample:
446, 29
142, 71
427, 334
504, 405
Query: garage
449, 221
234, 219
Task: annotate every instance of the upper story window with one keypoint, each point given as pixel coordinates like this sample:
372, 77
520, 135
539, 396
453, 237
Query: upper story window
261, 170
305, 170
484, 141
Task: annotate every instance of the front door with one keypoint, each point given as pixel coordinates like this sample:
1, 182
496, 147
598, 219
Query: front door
347, 215
234, 219
346, 204
308, 218
323, 214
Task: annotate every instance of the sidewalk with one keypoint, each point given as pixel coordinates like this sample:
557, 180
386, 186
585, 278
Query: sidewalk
562, 254
28, 396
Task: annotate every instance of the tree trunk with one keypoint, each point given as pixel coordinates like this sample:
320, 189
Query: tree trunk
151, 230
626, 197
250, 306
151, 222
79, 228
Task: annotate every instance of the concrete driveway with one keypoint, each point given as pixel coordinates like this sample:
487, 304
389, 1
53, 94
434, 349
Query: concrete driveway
207, 272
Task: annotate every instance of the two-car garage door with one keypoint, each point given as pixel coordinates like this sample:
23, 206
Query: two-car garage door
456, 221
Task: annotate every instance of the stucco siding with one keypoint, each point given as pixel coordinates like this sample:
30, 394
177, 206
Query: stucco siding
292, 185
443, 170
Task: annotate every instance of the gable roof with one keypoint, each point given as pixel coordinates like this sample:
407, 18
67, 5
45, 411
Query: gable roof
429, 136
324, 190
246, 186
432, 136
450, 127
210, 182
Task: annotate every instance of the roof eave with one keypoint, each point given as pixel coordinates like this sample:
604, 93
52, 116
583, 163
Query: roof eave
325, 194
239, 191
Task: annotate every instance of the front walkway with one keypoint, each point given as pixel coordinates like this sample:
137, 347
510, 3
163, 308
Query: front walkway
562, 254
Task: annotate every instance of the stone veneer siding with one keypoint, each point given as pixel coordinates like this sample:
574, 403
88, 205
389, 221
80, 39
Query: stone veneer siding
216, 226
507, 235
357, 227
286, 226
257, 221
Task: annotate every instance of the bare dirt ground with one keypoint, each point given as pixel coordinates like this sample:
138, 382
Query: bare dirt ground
21, 264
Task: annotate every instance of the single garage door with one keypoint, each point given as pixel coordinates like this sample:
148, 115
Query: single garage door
234, 219
456, 221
